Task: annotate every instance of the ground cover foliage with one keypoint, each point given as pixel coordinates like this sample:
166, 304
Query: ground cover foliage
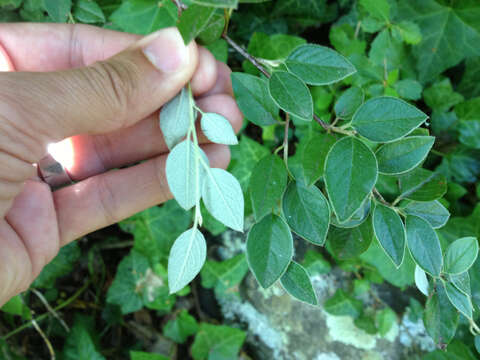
361, 137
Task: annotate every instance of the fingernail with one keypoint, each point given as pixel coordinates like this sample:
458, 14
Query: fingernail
166, 50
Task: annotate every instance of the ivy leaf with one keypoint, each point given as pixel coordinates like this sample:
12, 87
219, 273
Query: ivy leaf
385, 319
349, 102
440, 317
267, 184
194, 20
469, 130
315, 263
218, 3
470, 84
223, 198
459, 300
432, 211
180, 328
307, 212
58, 10
386, 119
175, 118
186, 259
408, 89
379, 9
403, 155
269, 249
390, 232
460, 255
297, 283
144, 16
424, 245
318, 65
217, 342
79, 344
182, 171
350, 173
88, 12
225, 274
217, 129
291, 94
314, 155
421, 280
347, 243
253, 99
342, 304
141, 355
441, 97
422, 185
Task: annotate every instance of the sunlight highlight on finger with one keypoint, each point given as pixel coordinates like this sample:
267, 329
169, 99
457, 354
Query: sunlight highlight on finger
63, 153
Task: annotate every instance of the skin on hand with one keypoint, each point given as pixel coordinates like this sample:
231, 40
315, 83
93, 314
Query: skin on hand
101, 91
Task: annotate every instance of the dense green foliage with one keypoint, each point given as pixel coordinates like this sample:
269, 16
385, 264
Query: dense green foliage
374, 105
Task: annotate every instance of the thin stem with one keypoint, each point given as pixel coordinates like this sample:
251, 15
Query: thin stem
380, 197
285, 144
198, 215
439, 153
45, 339
49, 308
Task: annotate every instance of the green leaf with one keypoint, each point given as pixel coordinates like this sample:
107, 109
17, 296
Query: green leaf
318, 65
461, 282
223, 198
315, 263
409, 32
460, 255
385, 319
390, 232
440, 317
253, 99
403, 155
349, 102
442, 26
214, 342
386, 119
441, 97
10, 4
470, 84
88, 12
175, 118
350, 174
307, 212
347, 243
213, 31
459, 300
58, 10
180, 328
269, 249
366, 323
224, 275
267, 184
61, 265
422, 185
477, 343
186, 259
314, 155
79, 344
421, 280
297, 283
291, 94
217, 129
432, 211
16, 306
218, 3
144, 16
408, 89
358, 218
194, 20
140, 355
469, 130
424, 245
342, 304
182, 171
379, 9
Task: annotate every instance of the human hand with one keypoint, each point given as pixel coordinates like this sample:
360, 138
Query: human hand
72, 82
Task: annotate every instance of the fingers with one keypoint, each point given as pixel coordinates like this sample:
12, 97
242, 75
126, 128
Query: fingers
113, 196
93, 155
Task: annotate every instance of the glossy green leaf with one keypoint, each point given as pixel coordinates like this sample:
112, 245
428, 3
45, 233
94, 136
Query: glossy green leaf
297, 283
459, 300
403, 155
17, 306
194, 20
318, 65
358, 218
432, 211
58, 10
253, 99
408, 89
469, 130
424, 245
307, 212
314, 155
223, 275
269, 249
379, 9
386, 119
267, 185
349, 102
390, 232
440, 317
291, 94
461, 282
214, 342
421, 280
186, 259
218, 3
460, 255
422, 185
342, 304
223, 198
350, 175
217, 129
144, 16
182, 172
175, 118
88, 12
180, 328
347, 243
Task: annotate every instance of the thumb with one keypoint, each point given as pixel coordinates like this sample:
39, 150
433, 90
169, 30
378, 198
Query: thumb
100, 98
